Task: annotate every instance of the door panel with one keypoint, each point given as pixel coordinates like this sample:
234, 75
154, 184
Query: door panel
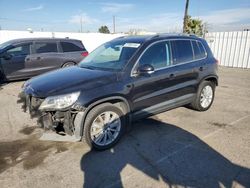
41, 63
15, 67
151, 89
175, 82
46, 57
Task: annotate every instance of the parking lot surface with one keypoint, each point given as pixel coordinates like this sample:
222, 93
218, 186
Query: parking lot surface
179, 148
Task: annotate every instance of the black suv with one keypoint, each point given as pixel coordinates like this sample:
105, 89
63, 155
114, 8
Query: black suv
25, 58
124, 80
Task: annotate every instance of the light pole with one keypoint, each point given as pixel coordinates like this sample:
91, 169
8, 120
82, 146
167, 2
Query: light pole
81, 23
113, 24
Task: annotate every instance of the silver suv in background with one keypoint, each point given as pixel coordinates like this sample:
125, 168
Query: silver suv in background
25, 58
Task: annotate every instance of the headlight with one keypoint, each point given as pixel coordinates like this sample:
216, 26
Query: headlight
59, 101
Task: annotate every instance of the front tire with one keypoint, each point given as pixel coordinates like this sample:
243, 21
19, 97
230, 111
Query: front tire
104, 126
204, 97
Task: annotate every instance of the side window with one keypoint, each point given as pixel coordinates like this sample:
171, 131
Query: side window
45, 47
71, 47
199, 51
158, 55
202, 50
182, 51
20, 50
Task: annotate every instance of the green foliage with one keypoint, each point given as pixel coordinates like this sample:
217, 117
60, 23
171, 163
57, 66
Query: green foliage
104, 29
194, 26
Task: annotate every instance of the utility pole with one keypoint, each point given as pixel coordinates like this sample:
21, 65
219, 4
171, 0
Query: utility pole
185, 17
81, 23
113, 24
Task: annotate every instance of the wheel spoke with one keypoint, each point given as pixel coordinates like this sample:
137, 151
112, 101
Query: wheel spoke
110, 135
105, 138
96, 132
206, 96
107, 117
105, 128
100, 119
99, 138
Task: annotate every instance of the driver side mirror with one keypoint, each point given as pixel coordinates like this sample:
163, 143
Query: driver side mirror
145, 69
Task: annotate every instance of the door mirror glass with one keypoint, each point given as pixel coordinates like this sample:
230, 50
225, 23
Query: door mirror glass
145, 69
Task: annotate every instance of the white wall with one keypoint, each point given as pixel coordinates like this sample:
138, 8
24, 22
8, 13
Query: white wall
232, 49
90, 40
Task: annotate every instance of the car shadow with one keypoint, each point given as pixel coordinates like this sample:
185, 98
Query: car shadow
163, 152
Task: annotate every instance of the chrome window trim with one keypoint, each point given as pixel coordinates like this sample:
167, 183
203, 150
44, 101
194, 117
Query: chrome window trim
132, 74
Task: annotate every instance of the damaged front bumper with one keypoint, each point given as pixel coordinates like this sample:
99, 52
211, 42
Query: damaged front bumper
68, 121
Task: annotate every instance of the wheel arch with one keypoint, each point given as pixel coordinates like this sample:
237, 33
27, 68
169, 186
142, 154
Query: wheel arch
211, 78
118, 101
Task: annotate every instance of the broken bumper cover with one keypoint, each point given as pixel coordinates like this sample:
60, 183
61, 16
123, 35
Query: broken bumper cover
68, 121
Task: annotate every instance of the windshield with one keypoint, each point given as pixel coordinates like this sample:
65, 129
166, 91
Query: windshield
111, 56
5, 44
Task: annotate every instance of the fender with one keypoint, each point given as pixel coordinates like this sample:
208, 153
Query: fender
92, 105
210, 76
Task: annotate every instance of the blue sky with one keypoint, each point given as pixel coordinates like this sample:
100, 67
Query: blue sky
150, 15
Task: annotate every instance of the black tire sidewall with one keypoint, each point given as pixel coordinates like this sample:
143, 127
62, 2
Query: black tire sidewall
202, 85
92, 116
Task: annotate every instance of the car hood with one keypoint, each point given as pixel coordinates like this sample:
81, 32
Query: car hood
68, 80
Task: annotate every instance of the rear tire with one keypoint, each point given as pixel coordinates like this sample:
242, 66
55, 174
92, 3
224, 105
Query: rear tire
204, 97
104, 126
68, 64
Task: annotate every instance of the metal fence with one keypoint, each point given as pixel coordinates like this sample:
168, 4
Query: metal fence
232, 49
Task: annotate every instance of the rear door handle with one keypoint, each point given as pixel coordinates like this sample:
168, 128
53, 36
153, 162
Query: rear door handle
38, 58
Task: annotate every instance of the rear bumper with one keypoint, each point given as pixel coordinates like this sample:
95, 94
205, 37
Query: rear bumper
69, 121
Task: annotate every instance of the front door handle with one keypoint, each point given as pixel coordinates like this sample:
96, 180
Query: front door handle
201, 69
38, 58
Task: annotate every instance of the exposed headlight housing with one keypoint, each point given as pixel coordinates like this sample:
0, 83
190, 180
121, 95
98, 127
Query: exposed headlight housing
59, 102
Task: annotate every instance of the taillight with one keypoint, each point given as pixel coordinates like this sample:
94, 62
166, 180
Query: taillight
85, 54
217, 61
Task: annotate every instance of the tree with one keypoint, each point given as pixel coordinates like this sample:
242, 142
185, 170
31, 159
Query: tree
104, 29
194, 26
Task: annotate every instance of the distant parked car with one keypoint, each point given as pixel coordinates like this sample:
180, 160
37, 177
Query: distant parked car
25, 58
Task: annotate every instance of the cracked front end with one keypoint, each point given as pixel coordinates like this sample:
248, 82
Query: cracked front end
59, 113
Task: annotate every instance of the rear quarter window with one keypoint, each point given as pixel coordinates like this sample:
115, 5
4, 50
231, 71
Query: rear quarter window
199, 51
182, 51
72, 47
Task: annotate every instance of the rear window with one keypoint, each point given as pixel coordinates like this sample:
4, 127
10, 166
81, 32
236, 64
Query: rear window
46, 47
199, 51
182, 51
72, 47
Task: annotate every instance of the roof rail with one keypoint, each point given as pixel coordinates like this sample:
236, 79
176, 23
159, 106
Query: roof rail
175, 34
153, 36
121, 37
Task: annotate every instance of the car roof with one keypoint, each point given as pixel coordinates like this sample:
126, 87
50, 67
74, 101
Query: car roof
39, 39
144, 38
